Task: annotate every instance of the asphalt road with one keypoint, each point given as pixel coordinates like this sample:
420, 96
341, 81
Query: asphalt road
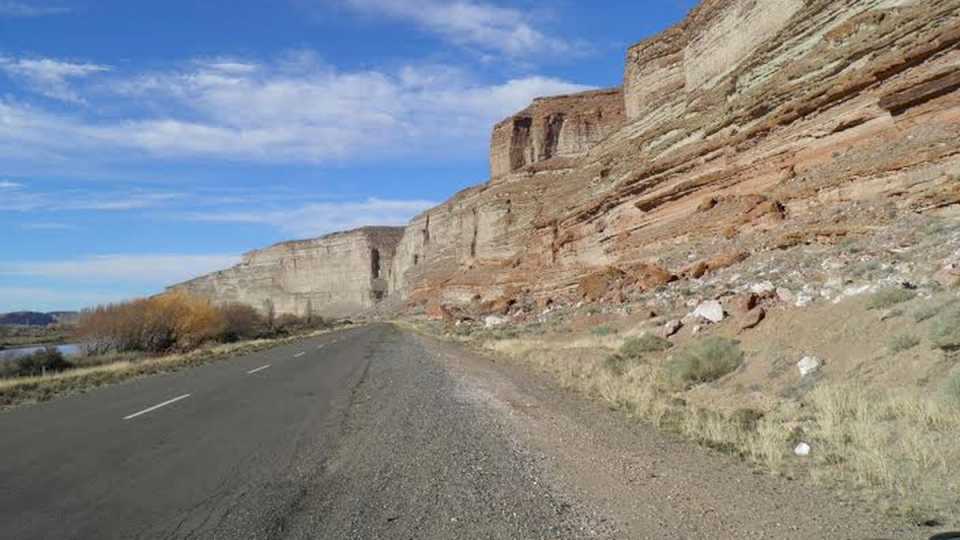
377, 433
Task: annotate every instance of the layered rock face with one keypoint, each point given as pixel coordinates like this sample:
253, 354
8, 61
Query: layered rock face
555, 127
334, 276
751, 126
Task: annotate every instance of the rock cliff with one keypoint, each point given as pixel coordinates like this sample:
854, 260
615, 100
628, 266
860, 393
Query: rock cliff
751, 126
334, 276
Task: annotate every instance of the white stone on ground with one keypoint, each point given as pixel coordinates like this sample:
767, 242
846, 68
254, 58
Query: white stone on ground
809, 365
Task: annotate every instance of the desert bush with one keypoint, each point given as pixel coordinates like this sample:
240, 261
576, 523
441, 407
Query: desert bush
890, 297
173, 321
945, 332
241, 322
616, 365
902, 343
704, 361
648, 343
603, 331
287, 324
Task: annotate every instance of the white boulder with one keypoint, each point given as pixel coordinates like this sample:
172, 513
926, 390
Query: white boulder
710, 311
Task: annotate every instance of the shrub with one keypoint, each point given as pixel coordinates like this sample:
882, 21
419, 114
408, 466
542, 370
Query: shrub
945, 332
890, 297
173, 321
645, 344
603, 331
902, 343
704, 361
615, 364
241, 322
47, 359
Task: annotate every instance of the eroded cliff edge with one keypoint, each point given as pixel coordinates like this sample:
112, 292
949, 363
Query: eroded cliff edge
750, 126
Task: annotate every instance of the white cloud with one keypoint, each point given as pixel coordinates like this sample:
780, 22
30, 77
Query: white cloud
295, 110
50, 77
21, 200
148, 269
471, 23
321, 218
9, 185
21, 9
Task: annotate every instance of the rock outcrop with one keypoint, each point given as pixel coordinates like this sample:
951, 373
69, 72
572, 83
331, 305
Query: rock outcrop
334, 276
751, 126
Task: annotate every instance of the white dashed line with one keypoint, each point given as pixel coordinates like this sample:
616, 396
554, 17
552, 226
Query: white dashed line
299, 354
155, 407
258, 370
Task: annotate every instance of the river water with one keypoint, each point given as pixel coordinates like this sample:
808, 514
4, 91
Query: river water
71, 349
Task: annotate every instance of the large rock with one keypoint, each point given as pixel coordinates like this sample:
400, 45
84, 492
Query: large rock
711, 311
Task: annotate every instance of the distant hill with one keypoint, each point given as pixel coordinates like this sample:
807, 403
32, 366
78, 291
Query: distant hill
33, 318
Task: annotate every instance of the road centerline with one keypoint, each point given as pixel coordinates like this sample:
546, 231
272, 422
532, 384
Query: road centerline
155, 407
259, 369
299, 354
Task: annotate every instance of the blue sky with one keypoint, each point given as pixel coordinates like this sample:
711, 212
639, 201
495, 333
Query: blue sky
142, 143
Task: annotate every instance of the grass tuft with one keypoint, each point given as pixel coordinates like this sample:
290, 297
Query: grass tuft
902, 343
704, 361
945, 332
890, 297
638, 347
603, 331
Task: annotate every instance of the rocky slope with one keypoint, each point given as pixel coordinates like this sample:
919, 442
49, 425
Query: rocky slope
751, 126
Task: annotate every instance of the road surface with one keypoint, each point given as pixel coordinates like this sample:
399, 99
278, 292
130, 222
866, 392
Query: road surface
374, 432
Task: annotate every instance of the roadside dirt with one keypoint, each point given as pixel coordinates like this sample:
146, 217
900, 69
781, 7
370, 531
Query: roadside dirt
647, 483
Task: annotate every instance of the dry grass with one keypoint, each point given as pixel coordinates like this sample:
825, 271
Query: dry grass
945, 331
899, 443
903, 342
888, 298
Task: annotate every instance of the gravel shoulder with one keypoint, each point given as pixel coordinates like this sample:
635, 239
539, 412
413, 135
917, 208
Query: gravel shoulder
441, 442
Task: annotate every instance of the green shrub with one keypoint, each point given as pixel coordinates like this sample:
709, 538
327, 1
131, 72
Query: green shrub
603, 331
639, 346
945, 333
704, 361
889, 298
48, 359
902, 343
